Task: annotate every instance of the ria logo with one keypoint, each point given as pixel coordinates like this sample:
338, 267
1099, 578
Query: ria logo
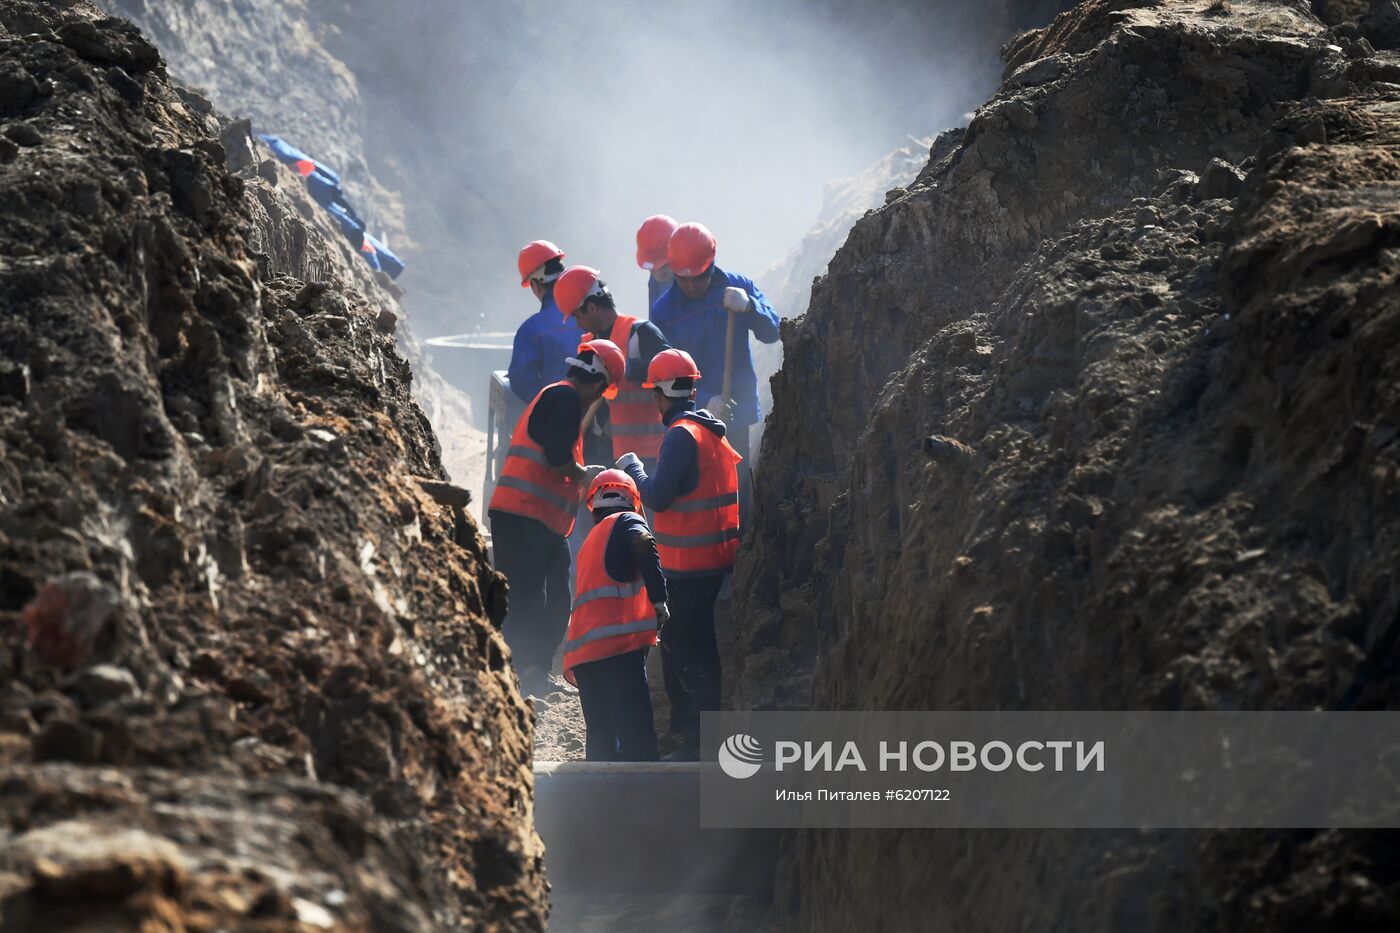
741, 756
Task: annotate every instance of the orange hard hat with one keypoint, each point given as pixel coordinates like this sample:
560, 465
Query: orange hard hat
614, 488
608, 361
532, 257
668, 366
691, 250
653, 236
575, 286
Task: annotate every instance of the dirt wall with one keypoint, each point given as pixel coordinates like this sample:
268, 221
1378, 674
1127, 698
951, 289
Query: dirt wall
250, 672
1151, 286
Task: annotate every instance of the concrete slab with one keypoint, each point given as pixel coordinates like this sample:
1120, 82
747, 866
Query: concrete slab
633, 828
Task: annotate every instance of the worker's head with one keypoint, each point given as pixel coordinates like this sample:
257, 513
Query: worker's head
540, 263
580, 293
613, 491
694, 286
597, 370
672, 376
653, 238
691, 255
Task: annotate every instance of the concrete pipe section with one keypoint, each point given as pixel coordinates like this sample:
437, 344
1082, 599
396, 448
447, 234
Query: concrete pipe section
633, 828
467, 361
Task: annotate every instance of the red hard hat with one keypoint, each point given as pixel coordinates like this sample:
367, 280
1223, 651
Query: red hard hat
535, 255
575, 286
652, 238
614, 484
691, 250
667, 366
608, 361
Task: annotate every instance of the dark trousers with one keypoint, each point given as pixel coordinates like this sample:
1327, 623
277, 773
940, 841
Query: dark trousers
536, 562
690, 652
617, 708
738, 437
682, 710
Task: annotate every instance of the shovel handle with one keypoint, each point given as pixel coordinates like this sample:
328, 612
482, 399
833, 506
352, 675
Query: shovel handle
589, 415
728, 356
583, 427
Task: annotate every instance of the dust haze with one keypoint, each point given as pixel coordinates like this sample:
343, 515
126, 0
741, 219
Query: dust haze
574, 122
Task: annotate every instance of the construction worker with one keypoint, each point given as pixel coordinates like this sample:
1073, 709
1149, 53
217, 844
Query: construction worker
653, 236
533, 507
694, 315
694, 494
619, 607
632, 418
542, 342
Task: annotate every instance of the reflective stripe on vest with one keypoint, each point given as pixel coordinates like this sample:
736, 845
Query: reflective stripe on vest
611, 631
713, 537
699, 532
620, 591
529, 453
631, 430
536, 490
528, 486
608, 618
636, 424
704, 505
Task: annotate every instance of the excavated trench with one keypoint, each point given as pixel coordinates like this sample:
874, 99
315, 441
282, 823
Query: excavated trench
250, 669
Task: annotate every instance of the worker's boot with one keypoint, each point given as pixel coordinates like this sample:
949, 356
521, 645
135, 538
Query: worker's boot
689, 749
685, 752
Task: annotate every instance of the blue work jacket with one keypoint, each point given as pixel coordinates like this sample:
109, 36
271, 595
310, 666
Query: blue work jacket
542, 344
698, 327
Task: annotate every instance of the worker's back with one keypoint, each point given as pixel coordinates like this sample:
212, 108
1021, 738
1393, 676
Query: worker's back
542, 344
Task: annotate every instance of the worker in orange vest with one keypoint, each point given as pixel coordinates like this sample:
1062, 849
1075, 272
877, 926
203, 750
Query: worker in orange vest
619, 607
534, 503
653, 237
632, 417
694, 494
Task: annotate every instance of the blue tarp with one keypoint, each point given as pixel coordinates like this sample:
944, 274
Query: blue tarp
323, 184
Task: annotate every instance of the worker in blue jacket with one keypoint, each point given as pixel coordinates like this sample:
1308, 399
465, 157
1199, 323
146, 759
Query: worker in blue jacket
653, 238
547, 338
693, 314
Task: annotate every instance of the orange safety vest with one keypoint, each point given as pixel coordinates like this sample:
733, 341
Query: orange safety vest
608, 618
529, 487
636, 424
699, 532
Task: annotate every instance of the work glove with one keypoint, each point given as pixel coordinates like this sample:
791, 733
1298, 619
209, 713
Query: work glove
592, 471
721, 409
628, 460
663, 615
736, 300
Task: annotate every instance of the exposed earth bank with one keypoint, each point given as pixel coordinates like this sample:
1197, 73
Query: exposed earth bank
250, 672
1152, 287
